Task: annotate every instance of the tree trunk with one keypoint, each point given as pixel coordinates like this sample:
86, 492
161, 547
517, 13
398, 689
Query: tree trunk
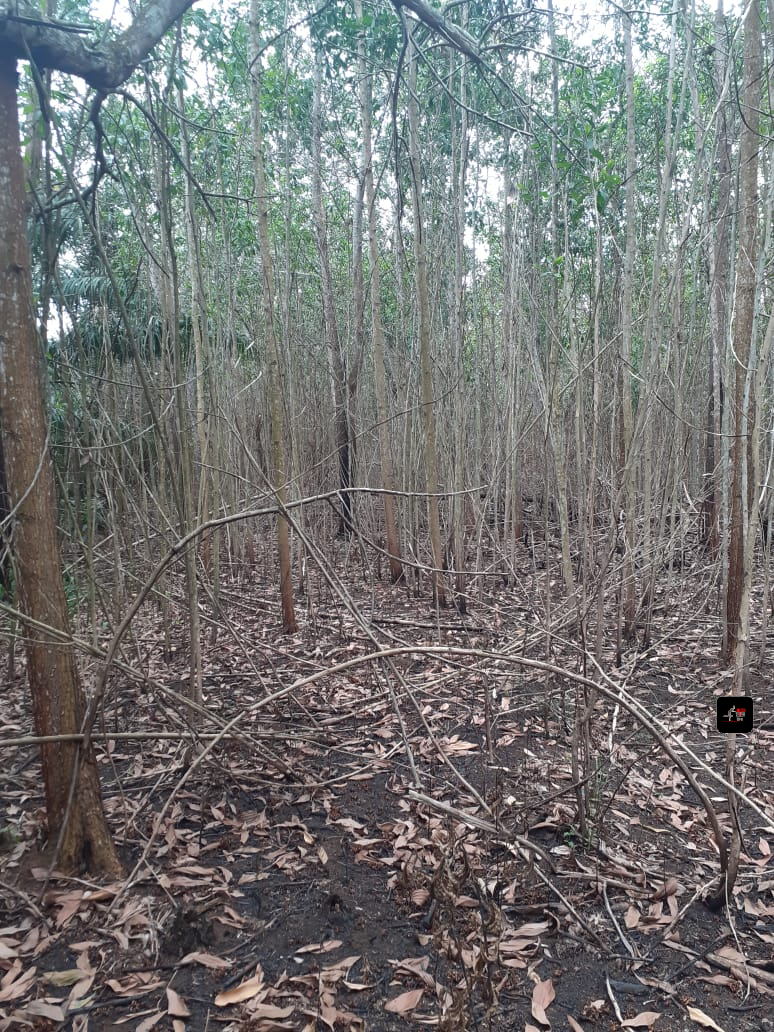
335, 355
459, 503
625, 457
425, 358
380, 377
554, 422
742, 414
719, 269
58, 702
278, 439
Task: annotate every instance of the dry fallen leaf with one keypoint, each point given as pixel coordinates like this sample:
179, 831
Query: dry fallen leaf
149, 1023
320, 947
13, 987
264, 1011
669, 889
542, 996
63, 978
405, 1002
632, 917
176, 1007
41, 1009
702, 1019
574, 1026
208, 960
244, 991
645, 1019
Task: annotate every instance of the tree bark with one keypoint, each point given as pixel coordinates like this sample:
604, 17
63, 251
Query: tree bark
335, 355
278, 433
719, 270
57, 44
380, 376
58, 701
625, 427
554, 423
742, 414
423, 315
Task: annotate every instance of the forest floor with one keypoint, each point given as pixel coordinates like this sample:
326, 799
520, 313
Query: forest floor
289, 877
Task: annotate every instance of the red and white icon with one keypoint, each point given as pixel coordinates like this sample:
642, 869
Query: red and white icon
736, 713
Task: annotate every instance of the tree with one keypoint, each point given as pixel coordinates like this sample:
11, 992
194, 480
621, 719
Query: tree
719, 275
71, 782
423, 319
392, 539
279, 484
339, 378
744, 511
625, 417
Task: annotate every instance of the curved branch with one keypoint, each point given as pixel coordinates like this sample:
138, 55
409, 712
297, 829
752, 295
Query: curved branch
59, 45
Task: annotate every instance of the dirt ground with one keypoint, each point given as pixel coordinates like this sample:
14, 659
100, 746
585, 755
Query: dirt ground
335, 865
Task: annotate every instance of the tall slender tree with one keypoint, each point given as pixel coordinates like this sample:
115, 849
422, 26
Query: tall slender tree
392, 538
423, 320
278, 435
338, 371
744, 511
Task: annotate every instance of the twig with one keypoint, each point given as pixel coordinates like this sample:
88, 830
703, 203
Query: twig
584, 924
28, 900
628, 946
611, 997
478, 822
699, 956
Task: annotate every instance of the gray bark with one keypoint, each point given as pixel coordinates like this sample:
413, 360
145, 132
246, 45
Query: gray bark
71, 48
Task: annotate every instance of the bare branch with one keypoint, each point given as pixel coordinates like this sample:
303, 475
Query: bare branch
434, 19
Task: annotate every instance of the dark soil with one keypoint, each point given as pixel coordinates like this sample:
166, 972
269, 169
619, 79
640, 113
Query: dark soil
294, 861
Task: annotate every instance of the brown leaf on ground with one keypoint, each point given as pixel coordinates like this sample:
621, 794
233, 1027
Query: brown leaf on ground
208, 960
320, 947
645, 1019
150, 1022
543, 995
15, 983
697, 1015
244, 991
405, 1003
176, 1006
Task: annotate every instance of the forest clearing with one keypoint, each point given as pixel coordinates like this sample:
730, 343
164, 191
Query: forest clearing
385, 502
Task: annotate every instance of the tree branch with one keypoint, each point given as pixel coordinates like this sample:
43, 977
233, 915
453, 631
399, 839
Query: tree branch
435, 20
55, 44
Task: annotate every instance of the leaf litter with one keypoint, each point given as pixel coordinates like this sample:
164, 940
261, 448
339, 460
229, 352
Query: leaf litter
294, 884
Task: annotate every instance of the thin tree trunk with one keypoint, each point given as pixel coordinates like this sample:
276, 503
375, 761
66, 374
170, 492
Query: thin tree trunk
200, 328
278, 433
336, 364
555, 426
460, 146
181, 442
625, 457
423, 316
719, 272
380, 376
743, 488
